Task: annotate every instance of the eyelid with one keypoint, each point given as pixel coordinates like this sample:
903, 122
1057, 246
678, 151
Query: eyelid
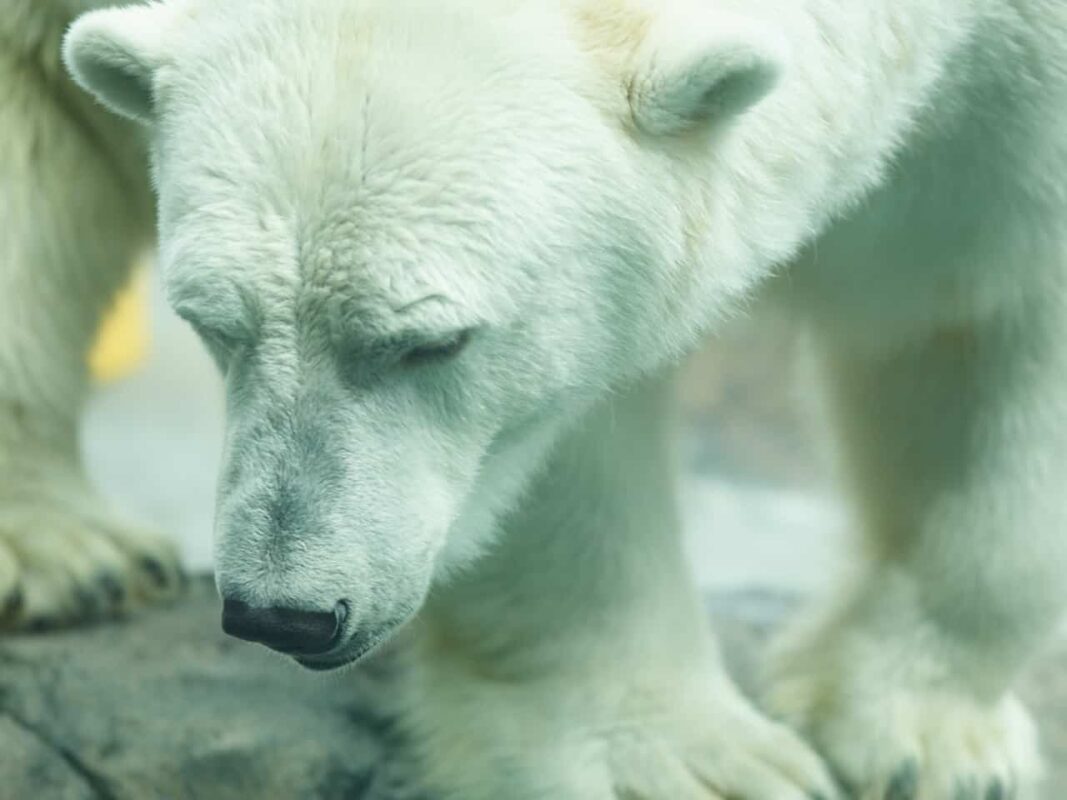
214, 326
212, 303
443, 348
218, 336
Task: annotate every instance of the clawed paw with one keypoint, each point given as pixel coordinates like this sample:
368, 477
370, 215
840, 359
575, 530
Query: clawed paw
68, 561
909, 741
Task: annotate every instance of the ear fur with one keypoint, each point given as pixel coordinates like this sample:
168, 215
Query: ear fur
697, 66
114, 54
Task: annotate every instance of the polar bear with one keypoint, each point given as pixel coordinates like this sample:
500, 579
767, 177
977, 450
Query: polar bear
445, 255
75, 210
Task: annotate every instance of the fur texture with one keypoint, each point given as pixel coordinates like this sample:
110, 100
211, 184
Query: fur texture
351, 190
75, 208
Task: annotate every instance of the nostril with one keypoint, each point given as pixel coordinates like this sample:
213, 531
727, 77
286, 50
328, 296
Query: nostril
288, 630
340, 612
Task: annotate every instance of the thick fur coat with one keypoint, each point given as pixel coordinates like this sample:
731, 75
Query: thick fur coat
445, 255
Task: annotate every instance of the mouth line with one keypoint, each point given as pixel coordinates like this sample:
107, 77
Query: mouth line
329, 662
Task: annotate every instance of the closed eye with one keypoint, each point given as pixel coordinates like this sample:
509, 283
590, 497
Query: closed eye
212, 335
439, 351
220, 344
217, 330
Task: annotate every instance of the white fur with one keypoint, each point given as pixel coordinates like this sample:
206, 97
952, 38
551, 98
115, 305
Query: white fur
76, 210
594, 185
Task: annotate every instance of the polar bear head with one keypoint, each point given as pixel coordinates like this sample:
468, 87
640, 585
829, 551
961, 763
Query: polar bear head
418, 237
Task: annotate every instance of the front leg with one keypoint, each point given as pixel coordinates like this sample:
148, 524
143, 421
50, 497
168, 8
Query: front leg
75, 209
958, 451
575, 663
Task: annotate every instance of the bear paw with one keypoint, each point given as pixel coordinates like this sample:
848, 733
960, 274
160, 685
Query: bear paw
667, 740
906, 740
64, 559
731, 753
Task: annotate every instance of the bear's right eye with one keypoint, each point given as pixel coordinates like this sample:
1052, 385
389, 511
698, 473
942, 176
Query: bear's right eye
220, 344
220, 334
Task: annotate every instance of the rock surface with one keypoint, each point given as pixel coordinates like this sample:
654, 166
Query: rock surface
165, 706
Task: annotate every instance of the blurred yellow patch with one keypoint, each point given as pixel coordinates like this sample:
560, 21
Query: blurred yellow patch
122, 343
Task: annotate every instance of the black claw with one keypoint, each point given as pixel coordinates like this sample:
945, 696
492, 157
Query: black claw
113, 588
847, 788
155, 570
13, 603
88, 601
996, 791
41, 625
905, 783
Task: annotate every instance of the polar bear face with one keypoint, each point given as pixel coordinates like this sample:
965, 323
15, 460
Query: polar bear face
418, 238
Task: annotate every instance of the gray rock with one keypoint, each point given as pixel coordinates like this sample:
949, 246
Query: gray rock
167, 707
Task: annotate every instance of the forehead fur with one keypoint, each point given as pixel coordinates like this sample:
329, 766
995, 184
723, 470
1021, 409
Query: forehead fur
364, 147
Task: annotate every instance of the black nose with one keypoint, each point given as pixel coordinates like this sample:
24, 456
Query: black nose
288, 630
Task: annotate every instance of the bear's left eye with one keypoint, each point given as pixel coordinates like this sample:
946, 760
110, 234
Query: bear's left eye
443, 350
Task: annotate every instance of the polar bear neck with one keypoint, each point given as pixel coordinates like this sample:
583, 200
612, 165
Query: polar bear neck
864, 78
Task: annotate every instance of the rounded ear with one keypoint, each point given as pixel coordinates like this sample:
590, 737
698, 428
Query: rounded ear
114, 54
698, 67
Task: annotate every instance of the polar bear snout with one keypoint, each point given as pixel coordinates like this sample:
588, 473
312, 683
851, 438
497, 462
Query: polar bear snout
291, 631
316, 638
